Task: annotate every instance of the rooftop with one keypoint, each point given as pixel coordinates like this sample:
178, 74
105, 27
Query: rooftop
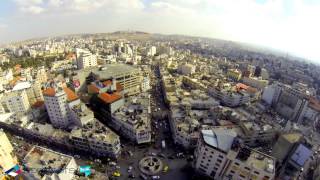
96, 131
219, 138
43, 161
108, 71
71, 96
109, 98
21, 86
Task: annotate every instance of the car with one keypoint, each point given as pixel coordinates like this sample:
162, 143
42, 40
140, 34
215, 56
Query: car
165, 168
116, 174
130, 168
117, 167
132, 176
155, 177
112, 163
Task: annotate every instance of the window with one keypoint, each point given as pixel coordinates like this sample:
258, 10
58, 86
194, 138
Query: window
266, 177
204, 171
219, 160
236, 163
213, 174
232, 172
241, 175
246, 168
220, 156
215, 168
256, 172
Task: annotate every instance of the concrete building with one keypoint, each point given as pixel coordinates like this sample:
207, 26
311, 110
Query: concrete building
128, 76
151, 51
33, 90
133, 119
96, 138
7, 158
16, 102
230, 98
145, 84
85, 60
234, 74
255, 82
50, 165
220, 155
59, 102
186, 69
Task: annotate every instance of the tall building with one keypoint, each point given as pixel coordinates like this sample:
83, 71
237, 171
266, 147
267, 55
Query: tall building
86, 60
33, 90
220, 155
152, 51
59, 102
16, 101
7, 159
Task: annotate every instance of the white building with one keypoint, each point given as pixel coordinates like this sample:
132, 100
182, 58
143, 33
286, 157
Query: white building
219, 155
152, 51
86, 60
255, 82
230, 98
33, 90
59, 102
16, 102
41, 75
7, 160
145, 84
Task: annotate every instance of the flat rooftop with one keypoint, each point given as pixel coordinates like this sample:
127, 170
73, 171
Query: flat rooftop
39, 159
107, 71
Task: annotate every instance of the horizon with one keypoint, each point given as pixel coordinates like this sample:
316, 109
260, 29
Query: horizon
286, 26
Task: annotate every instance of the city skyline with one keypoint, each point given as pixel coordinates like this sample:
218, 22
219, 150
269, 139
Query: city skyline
285, 25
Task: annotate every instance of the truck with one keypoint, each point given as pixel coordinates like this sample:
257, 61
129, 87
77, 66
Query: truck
163, 144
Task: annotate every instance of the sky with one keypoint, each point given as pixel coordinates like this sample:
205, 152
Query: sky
292, 26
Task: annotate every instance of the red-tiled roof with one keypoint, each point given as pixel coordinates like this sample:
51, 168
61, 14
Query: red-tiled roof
49, 92
241, 86
71, 96
38, 104
109, 98
107, 83
92, 88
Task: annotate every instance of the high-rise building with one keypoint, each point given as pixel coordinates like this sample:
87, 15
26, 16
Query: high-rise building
16, 101
7, 159
33, 90
59, 102
86, 60
220, 155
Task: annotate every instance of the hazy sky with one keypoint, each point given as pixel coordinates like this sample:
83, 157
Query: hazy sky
289, 25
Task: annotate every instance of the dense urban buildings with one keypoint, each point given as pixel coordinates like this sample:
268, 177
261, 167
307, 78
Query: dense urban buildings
132, 104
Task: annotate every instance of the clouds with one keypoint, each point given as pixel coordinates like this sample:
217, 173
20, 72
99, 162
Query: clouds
289, 25
75, 6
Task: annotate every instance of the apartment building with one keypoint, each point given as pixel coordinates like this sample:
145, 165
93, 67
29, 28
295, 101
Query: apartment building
59, 101
7, 158
16, 102
128, 76
133, 119
220, 155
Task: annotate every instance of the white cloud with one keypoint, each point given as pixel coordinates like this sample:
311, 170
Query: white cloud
32, 9
266, 23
